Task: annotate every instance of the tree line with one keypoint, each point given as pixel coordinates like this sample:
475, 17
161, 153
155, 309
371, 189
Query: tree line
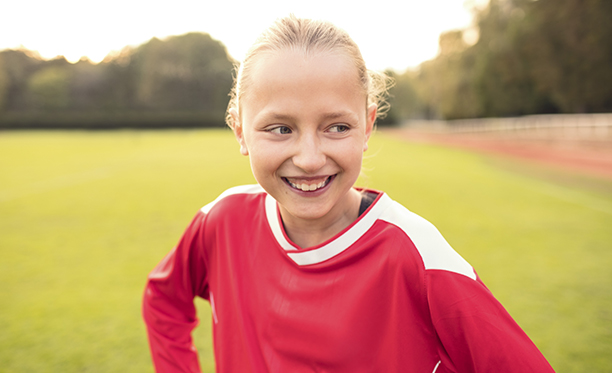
531, 57
184, 79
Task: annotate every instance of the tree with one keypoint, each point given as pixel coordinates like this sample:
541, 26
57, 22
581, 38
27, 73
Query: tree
445, 84
532, 56
403, 98
49, 88
570, 46
18, 65
187, 72
4, 84
503, 73
87, 84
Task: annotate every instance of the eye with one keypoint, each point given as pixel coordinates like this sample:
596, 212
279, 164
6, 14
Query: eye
280, 130
339, 128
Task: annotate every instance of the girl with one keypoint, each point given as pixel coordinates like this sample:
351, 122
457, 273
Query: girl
305, 273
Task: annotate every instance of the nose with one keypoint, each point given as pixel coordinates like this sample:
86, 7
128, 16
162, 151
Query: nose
309, 155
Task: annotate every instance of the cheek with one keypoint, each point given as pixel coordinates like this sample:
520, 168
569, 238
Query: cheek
264, 159
349, 156
352, 145
259, 169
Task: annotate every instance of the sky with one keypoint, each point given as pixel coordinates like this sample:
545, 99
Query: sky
397, 34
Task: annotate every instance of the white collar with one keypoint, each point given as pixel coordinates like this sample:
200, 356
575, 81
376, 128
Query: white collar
339, 244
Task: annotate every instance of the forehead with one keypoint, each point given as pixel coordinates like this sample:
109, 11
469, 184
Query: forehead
290, 58
288, 80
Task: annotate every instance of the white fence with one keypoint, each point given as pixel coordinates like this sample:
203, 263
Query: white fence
570, 127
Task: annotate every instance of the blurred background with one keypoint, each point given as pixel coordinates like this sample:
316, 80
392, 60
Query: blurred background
451, 59
112, 135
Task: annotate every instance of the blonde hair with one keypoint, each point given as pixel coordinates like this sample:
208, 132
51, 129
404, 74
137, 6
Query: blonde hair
308, 36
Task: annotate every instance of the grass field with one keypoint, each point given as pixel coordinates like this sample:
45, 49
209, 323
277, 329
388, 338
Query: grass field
84, 216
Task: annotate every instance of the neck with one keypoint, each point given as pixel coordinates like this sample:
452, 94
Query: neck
312, 232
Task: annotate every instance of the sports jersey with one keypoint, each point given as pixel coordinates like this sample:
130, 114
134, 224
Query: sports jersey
387, 294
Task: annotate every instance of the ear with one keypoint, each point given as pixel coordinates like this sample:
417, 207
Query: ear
237, 128
370, 119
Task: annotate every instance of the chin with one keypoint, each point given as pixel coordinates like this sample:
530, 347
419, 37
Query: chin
306, 212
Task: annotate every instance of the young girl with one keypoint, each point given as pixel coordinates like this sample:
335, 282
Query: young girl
305, 273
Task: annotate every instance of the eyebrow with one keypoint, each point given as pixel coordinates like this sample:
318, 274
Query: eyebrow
332, 115
336, 115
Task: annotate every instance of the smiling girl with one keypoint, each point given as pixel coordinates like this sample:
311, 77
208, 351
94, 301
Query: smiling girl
304, 272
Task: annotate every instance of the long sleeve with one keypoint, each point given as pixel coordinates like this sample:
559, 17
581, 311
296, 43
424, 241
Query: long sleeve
168, 302
476, 331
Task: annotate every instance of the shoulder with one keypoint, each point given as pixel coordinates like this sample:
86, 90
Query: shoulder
235, 197
434, 250
234, 207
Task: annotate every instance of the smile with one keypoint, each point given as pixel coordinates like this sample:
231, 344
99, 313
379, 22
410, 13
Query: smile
308, 185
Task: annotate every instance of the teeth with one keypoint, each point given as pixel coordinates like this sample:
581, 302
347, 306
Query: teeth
308, 188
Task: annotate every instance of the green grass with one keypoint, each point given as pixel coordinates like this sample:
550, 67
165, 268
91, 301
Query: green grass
84, 216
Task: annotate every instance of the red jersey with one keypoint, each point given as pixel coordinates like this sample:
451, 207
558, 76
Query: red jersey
387, 294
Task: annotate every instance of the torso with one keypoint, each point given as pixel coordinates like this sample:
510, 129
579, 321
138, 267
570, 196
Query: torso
358, 310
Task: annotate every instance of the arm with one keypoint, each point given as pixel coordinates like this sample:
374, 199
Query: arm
168, 307
477, 333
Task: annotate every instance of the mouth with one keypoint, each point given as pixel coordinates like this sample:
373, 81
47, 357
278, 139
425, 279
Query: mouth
306, 185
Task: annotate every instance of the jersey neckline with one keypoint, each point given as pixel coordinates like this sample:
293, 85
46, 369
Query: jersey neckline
335, 245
